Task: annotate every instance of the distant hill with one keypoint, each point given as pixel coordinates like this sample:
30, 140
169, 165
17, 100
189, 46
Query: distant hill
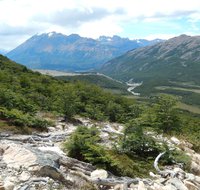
72, 53
173, 63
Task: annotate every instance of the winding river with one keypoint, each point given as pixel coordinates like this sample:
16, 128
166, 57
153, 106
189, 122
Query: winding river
132, 85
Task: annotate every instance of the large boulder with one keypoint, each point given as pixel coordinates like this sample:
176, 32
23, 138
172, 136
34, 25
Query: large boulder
24, 161
16, 156
28, 166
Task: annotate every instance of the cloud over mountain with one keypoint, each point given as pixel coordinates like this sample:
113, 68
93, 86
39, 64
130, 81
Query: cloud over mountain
130, 18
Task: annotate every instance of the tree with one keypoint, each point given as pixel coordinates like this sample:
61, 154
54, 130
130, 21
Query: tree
166, 114
136, 142
83, 145
68, 101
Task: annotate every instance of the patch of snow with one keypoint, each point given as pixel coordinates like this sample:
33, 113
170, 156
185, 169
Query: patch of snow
50, 34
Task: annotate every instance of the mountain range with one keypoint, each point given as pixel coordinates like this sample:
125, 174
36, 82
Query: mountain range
72, 53
177, 59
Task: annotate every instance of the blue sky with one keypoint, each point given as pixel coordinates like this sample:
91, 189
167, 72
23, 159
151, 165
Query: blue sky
147, 19
160, 29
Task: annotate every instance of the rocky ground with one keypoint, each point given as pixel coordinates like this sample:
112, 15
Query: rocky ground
37, 162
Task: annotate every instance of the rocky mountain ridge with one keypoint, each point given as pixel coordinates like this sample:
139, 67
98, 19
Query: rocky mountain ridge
36, 161
72, 53
177, 59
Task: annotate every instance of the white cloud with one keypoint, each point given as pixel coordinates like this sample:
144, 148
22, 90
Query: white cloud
88, 17
99, 28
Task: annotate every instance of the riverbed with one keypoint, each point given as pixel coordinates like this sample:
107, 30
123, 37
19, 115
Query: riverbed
132, 85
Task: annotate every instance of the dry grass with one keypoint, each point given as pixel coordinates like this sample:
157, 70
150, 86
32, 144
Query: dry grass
178, 88
8, 128
190, 108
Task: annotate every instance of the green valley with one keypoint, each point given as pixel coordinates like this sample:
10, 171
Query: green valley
171, 67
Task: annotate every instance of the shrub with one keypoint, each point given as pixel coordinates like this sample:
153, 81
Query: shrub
167, 119
83, 145
136, 142
20, 119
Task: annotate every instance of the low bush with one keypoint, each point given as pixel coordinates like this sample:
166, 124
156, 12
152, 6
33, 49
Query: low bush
18, 118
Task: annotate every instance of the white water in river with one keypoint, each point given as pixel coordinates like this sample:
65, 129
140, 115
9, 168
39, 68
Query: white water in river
132, 85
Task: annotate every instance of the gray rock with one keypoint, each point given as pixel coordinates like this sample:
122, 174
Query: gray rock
157, 186
25, 187
190, 185
141, 186
119, 187
197, 179
8, 185
5, 134
16, 156
177, 183
169, 187
25, 176
190, 177
55, 174
195, 168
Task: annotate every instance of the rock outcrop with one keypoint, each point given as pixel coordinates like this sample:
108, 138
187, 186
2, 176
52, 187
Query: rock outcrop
23, 166
30, 162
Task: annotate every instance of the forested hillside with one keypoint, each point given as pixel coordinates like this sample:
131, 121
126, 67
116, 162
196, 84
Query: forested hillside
25, 93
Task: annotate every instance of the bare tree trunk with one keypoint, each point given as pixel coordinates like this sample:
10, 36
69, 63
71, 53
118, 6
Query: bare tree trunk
164, 173
156, 162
